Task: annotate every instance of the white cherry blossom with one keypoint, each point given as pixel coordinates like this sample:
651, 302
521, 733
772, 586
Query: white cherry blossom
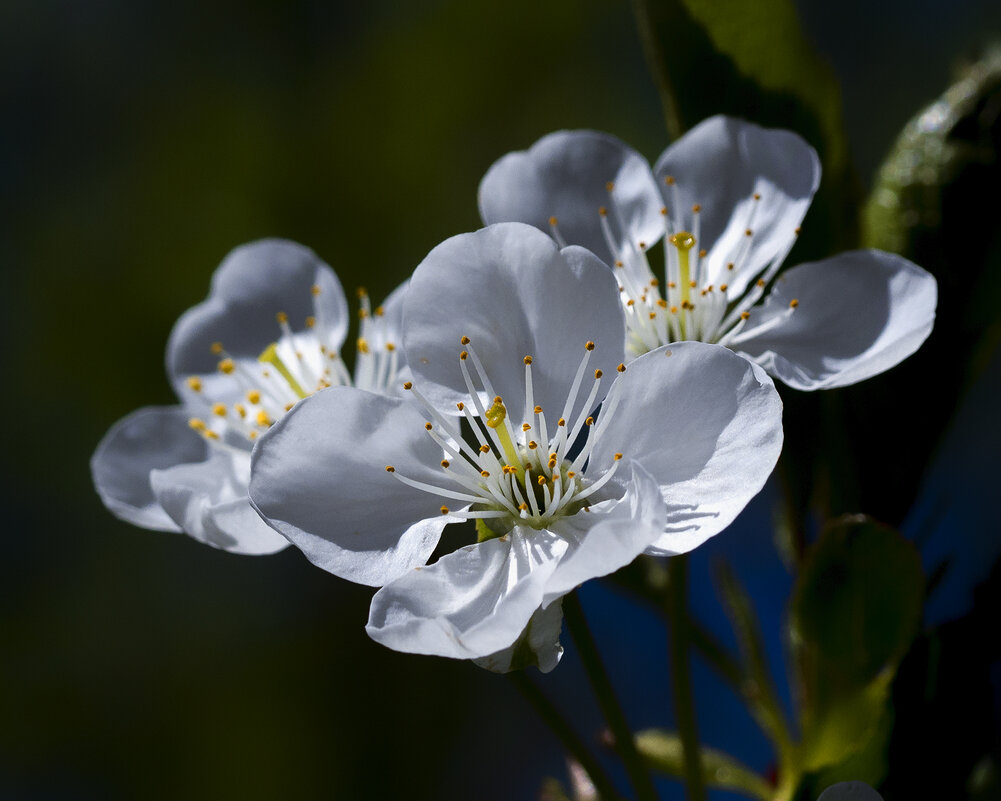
727, 199
268, 335
522, 417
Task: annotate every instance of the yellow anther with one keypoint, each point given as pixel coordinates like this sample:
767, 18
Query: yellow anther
589, 421
642, 245
757, 196
444, 463
315, 289
729, 266
496, 414
362, 314
288, 406
219, 409
464, 355
281, 317
428, 426
744, 315
609, 186
793, 303
523, 507
760, 282
561, 422
528, 360
653, 315
589, 345
227, 366
252, 435
362, 293
211, 434
663, 211
674, 310
460, 406
570, 474
798, 229
619, 263
408, 385
617, 456
484, 448
263, 419
390, 346
722, 287
552, 221
240, 409
598, 374
748, 232
379, 311
662, 303
525, 426
602, 211
195, 383
669, 179
630, 302
702, 253
464, 341
310, 322
537, 410
485, 473
682, 240
654, 282
621, 368
540, 480
197, 424
444, 510
532, 445
362, 345
696, 208
390, 468
216, 348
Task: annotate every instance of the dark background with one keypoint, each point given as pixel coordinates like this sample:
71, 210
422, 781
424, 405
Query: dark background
139, 142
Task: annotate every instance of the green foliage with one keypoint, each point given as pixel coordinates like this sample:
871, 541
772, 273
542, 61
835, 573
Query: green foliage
662, 750
854, 612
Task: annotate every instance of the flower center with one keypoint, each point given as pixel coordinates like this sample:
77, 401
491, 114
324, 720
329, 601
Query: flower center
513, 475
686, 305
248, 395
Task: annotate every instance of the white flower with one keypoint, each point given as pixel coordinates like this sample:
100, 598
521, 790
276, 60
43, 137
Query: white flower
522, 417
728, 199
268, 335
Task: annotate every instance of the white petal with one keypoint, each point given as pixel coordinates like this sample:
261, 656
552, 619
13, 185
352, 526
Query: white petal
514, 294
252, 285
319, 477
859, 313
208, 500
705, 423
151, 438
564, 175
538, 645
472, 602
611, 535
720, 164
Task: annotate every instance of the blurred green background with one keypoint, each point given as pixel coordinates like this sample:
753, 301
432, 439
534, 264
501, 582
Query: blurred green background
139, 142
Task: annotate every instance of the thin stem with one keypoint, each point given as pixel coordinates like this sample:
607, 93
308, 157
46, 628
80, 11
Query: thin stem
657, 65
681, 681
625, 745
572, 744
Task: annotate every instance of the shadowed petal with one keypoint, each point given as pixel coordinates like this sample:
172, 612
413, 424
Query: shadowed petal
472, 602
208, 500
858, 314
720, 164
514, 294
565, 175
538, 645
319, 477
705, 423
151, 438
252, 285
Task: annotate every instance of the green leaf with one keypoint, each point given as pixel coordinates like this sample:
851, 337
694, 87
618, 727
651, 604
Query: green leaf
854, 612
662, 750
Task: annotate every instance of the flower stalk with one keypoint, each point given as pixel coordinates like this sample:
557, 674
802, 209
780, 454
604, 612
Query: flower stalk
681, 682
625, 745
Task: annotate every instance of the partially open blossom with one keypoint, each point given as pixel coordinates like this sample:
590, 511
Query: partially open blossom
727, 199
268, 335
521, 416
